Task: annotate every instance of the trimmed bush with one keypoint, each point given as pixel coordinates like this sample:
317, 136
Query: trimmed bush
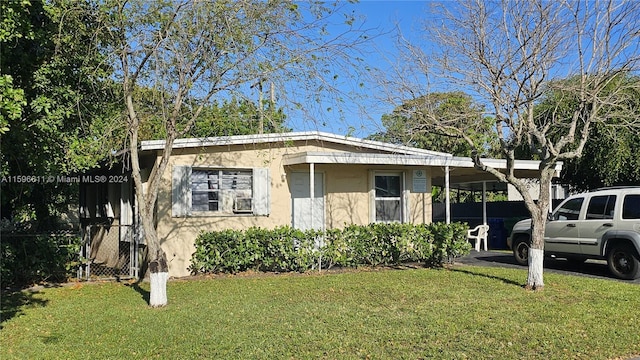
285, 249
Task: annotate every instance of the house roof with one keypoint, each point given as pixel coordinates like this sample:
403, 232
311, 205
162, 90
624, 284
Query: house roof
288, 137
462, 170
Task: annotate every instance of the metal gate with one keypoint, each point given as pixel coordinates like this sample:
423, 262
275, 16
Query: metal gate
109, 251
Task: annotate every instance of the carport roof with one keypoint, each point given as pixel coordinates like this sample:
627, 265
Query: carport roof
462, 171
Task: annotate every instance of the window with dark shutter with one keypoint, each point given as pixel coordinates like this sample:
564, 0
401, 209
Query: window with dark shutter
220, 191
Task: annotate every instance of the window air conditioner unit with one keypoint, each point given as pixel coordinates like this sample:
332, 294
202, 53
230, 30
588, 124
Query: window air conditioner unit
242, 205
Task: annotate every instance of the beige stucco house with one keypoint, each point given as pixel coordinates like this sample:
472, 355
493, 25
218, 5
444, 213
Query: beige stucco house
302, 179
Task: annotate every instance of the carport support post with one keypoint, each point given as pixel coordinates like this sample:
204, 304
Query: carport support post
484, 203
312, 189
312, 197
447, 201
550, 197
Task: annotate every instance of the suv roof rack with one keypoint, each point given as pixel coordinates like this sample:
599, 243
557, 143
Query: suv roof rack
616, 187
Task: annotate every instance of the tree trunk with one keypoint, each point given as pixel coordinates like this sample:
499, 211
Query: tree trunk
536, 253
158, 267
159, 273
535, 278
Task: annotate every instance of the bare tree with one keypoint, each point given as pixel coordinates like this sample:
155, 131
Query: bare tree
192, 52
508, 54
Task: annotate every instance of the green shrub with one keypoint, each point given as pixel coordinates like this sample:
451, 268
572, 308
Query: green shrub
282, 249
337, 250
26, 259
219, 252
286, 249
451, 241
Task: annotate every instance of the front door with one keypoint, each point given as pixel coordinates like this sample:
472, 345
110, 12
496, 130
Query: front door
561, 233
301, 202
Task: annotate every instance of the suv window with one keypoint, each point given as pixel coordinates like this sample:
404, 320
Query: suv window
569, 210
631, 207
601, 207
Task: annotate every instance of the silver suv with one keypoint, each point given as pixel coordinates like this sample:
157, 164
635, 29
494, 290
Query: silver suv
600, 224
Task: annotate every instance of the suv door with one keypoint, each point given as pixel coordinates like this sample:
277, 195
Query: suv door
599, 219
561, 233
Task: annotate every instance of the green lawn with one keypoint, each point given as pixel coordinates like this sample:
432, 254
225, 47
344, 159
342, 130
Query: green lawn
462, 313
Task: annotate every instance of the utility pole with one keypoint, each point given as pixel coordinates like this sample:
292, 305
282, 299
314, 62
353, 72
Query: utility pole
260, 109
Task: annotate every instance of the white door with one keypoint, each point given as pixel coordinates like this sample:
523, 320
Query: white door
301, 215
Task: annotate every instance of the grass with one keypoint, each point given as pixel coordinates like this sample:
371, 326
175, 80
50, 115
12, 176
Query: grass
460, 313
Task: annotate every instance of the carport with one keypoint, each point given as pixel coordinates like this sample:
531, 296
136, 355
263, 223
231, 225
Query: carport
460, 173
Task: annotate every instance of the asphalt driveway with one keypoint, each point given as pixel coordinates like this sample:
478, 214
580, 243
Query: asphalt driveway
590, 268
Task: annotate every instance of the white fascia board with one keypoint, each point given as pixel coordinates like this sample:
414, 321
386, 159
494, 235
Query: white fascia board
379, 145
399, 159
286, 137
502, 163
213, 141
364, 159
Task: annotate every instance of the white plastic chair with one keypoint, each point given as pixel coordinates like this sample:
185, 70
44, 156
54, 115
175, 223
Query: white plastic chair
481, 233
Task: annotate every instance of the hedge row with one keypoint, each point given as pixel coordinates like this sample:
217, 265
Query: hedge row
286, 249
34, 258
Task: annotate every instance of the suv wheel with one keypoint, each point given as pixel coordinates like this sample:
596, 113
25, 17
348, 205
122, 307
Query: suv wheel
623, 262
521, 251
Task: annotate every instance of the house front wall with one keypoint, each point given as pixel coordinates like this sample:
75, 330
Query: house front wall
348, 194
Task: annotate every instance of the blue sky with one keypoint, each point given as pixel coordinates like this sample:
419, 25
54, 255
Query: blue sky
363, 119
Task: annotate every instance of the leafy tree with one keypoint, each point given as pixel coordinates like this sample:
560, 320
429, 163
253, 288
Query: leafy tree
612, 156
407, 124
55, 119
14, 27
611, 159
231, 117
239, 117
194, 52
11, 103
507, 53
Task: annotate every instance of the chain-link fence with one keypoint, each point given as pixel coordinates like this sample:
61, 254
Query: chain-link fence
108, 251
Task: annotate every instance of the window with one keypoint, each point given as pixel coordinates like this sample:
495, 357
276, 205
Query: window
211, 191
631, 207
226, 191
388, 198
601, 207
569, 210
